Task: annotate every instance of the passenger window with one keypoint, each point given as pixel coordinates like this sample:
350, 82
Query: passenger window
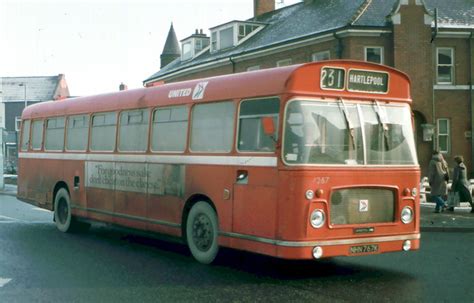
252, 137
133, 135
54, 138
37, 134
77, 133
103, 131
170, 127
212, 127
25, 135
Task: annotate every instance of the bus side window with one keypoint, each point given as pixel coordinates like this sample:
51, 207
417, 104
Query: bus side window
37, 135
104, 127
169, 129
252, 137
77, 133
54, 135
212, 127
133, 131
25, 135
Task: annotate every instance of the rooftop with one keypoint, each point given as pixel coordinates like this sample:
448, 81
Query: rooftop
299, 21
39, 88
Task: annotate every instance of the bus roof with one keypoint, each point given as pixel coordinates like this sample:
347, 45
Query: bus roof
302, 79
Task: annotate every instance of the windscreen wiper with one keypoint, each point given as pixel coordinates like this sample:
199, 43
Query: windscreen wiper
350, 127
382, 117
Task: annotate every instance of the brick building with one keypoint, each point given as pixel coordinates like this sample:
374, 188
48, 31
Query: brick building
431, 40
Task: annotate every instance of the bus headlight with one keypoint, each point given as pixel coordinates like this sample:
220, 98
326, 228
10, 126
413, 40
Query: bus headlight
406, 215
317, 218
309, 194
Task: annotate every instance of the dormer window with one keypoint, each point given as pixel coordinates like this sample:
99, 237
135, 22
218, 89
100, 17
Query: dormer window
232, 34
194, 45
245, 30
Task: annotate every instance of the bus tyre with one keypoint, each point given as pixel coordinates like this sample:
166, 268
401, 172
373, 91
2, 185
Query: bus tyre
62, 211
202, 232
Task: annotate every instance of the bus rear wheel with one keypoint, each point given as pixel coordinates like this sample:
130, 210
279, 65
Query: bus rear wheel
62, 211
202, 232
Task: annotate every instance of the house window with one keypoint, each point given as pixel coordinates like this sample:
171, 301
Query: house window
320, 56
245, 30
374, 54
187, 51
443, 135
231, 34
284, 62
445, 66
17, 123
213, 41
226, 38
252, 68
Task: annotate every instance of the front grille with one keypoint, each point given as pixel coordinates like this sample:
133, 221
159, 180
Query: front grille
362, 205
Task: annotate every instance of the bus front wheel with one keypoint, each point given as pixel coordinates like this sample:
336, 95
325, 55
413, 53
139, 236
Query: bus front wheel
202, 232
62, 211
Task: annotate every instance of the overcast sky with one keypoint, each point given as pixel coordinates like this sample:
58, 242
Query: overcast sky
98, 44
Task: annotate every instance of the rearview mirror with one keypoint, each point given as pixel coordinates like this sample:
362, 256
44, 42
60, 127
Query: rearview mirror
268, 126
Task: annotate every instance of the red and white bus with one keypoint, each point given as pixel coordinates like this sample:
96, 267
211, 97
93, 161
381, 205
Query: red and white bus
300, 162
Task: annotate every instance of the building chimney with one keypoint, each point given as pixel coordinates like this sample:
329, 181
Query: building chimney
123, 86
262, 6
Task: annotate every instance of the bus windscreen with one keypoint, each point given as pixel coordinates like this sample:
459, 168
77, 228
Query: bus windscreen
344, 133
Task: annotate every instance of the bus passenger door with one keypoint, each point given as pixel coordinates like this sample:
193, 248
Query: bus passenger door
255, 201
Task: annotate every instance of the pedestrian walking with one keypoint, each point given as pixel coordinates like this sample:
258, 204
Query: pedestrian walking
460, 183
438, 177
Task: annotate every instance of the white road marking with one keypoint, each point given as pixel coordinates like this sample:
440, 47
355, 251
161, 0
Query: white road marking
8, 218
4, 281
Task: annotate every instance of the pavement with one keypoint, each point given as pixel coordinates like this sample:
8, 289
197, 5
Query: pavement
461, 220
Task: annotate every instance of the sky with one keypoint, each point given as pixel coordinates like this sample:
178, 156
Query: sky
99, 44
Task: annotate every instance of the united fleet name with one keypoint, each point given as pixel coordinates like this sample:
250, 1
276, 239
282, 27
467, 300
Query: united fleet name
368, 80
176, 93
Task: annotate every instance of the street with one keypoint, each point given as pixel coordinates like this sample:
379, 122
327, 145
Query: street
40, 264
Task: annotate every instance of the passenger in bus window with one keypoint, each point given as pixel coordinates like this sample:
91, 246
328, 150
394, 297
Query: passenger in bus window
437, 170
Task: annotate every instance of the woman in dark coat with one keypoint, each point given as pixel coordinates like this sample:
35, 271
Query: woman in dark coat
460, 182
437, 172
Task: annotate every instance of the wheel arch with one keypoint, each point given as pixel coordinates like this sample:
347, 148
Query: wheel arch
57, 187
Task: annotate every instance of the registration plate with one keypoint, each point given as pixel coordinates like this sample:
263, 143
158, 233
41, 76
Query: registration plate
360, 249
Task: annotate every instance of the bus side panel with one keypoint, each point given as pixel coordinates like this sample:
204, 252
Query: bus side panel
130, 209
39, 176
211, 181
75, 180
163, 212
100, 204
255, 202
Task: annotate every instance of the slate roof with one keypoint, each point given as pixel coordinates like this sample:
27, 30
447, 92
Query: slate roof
453, 13
300, 20
37, 88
